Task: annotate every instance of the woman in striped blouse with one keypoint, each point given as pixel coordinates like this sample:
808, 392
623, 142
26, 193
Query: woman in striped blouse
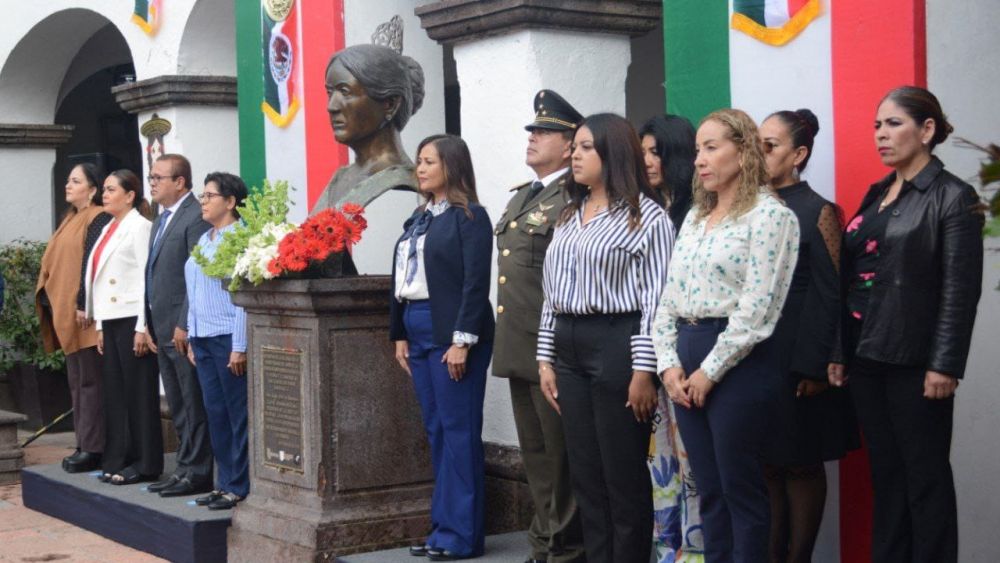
730, 275
217, 332
603, 274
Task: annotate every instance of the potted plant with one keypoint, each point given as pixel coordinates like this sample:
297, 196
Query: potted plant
989, 177
34, 380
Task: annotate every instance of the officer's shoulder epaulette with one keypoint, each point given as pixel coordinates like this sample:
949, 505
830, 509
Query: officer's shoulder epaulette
519, 186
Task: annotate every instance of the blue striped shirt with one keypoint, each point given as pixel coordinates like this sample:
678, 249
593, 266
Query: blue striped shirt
210, 308
603, 267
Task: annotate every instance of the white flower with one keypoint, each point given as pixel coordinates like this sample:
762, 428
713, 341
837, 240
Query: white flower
261, 249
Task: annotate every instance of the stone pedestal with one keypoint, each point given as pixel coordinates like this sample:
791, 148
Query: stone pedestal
11, 455
339, 461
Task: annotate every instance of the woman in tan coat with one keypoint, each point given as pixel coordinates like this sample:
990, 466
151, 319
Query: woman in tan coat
56, 302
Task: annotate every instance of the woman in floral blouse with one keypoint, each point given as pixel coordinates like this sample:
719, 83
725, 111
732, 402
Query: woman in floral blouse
726, 285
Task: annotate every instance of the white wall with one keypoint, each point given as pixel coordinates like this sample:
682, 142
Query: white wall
27, 201
387, 214
499, 77
962, 44
205, 135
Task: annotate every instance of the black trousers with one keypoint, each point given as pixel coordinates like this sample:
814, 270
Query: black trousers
726, 441
909, 442
187, 408
607, 447
131, 403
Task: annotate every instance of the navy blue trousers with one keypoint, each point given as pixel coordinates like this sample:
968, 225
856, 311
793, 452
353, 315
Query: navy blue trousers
225, 397
453, 417
726, 442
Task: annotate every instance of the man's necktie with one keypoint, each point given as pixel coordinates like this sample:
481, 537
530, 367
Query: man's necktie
536, 187
163, 225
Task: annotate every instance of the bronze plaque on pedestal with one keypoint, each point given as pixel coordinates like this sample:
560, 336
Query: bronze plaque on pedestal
281, 378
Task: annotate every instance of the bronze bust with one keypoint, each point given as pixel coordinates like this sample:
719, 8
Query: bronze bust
372, 92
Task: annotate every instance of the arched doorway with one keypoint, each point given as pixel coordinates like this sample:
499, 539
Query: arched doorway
61, 71
103, 133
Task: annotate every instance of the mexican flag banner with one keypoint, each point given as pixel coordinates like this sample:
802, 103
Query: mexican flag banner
774, 22
279, 31
836, 58
146, 15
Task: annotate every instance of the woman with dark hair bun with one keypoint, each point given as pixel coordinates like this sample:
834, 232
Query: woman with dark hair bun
820, 420
59, 296
442, 324
603, 274
217, 333
911, 275
668, 150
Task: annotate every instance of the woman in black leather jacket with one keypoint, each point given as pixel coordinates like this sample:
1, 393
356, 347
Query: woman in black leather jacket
912, 274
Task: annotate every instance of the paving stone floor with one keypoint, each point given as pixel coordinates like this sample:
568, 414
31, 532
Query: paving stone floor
28, 536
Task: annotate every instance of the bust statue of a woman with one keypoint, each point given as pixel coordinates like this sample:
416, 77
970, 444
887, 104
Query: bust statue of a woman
372, 92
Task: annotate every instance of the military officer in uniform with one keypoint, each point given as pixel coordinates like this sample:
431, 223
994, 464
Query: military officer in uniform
523, 234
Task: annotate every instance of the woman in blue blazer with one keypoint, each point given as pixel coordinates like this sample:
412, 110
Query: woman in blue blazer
442, 324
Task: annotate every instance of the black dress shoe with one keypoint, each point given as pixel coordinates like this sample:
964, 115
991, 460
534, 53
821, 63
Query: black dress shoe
164, 484
419, 550
83, 462
71, 457
225, 502
184, 488
209, 498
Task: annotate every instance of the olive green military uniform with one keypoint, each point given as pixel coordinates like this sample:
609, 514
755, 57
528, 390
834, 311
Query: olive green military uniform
523, 235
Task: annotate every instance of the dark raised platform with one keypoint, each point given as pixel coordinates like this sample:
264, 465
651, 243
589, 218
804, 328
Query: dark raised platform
171, 528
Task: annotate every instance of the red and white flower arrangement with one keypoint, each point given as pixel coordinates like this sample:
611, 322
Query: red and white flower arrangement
319, 237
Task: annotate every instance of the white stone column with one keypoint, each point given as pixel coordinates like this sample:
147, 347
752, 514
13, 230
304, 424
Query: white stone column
201, 110
27, 154
505, 52
499, 77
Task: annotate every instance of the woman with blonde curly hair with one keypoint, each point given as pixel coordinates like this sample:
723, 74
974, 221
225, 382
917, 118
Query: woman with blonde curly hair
730, 274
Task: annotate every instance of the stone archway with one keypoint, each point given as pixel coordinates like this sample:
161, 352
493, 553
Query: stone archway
208, 45
39, 74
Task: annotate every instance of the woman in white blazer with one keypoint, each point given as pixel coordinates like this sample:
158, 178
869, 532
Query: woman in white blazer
116, 289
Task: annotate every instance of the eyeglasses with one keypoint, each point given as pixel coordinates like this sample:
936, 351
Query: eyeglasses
155, 179
207, 196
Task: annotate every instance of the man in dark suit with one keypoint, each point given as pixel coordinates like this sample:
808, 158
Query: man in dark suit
175, 232
523, 235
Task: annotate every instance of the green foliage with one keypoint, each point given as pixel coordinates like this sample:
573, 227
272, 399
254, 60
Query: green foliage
20, 333
262, 208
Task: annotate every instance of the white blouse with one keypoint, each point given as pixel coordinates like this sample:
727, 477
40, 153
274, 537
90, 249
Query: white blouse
417, 288
740, 270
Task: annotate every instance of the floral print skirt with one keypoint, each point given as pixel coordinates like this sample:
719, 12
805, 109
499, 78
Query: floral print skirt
677, 534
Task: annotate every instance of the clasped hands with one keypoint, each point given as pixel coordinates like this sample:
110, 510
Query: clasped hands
687, 391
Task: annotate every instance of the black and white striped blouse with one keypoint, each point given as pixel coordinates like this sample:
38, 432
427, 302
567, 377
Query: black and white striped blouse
603, 267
